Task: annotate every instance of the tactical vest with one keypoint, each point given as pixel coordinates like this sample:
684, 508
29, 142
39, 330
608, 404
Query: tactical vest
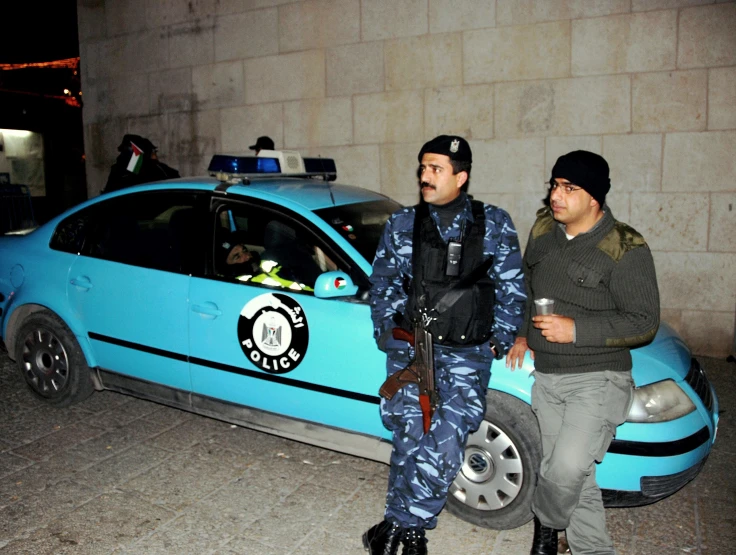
469, 320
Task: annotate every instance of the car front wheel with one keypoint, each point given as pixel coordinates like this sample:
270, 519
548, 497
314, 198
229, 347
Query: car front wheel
495, 484
51, 361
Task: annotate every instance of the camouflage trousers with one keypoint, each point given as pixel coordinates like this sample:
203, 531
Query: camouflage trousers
424, 465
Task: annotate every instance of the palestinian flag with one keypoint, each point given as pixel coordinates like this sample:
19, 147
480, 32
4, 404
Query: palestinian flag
340, 283
136, 159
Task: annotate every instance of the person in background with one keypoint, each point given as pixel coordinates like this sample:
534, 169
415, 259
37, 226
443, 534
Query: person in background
600, 274
262, 143
137, 163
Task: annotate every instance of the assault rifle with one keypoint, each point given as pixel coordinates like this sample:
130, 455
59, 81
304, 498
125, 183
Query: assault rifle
419, 371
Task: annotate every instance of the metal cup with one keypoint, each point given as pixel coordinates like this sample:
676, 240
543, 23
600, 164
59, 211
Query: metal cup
545, 306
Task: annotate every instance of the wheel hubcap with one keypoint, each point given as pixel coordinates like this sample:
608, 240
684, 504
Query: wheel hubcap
45, 362
492, 473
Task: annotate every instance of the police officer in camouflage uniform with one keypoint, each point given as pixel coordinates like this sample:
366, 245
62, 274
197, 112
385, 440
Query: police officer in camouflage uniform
600, 273
478, 328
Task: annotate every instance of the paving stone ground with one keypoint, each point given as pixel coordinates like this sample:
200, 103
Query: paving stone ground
119, 475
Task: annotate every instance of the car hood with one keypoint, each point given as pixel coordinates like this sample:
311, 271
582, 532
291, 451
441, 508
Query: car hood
667, 357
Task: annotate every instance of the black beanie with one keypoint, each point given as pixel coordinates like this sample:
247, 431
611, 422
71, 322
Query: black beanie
584, 169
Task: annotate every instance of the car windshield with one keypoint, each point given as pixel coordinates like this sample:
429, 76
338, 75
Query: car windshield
361, 224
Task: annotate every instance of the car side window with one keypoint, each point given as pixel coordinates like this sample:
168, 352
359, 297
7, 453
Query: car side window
71, 232
265, 248
155, 229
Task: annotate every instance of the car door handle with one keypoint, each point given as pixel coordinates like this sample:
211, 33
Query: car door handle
83, 282
207, 309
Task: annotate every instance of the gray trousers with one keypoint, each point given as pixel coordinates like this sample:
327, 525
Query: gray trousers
578, 415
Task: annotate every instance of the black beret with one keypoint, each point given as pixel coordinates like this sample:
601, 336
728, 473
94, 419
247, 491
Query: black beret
584, 169
452, 146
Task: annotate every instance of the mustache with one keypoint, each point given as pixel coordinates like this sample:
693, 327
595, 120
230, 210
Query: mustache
423, 184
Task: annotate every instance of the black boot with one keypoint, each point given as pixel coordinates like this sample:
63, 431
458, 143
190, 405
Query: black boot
383, 538
414, 542
545, 540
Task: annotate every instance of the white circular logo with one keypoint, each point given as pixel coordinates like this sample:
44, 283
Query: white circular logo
273, 332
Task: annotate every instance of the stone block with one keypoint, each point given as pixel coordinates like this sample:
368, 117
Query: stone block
580, 106
102, 140
97, 100
554, 147
512, 53
136, 53
95, 60
647, 5
521, 12
707, 36
673, 101
708, 333
672, 317
459, 15
129, 95
387, 19
170, 12
635, 162
722, 236
625, 43
672, 222
722, 98
699, 162
91, 21
191, 44
399, 171
247, 35
356, 165
217, 85
465, 111
241, 126
509, 166
153, 127
295, 76
171, 91
194, 134
245, 5
696, 281
310, 123
620, 204
318, 24
423, 62
122, 18
355, 69
392, 117
96, 179
521, 208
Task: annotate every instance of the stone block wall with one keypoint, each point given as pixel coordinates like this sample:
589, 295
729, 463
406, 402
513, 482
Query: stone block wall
649, 84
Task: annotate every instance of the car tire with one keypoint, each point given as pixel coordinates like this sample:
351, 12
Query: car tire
495, 484
51, 361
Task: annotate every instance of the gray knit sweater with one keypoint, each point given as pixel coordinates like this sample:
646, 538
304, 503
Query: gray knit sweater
605, 280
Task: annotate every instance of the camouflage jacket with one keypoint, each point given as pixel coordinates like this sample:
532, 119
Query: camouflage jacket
393, 265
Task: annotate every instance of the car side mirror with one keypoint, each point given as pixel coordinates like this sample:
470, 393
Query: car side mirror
334, 284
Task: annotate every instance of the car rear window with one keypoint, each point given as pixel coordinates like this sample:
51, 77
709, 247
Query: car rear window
361, 224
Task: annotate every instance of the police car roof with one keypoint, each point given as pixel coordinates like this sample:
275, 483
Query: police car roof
310, 194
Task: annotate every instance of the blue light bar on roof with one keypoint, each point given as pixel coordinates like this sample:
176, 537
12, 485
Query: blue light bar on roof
321, 166
243, 164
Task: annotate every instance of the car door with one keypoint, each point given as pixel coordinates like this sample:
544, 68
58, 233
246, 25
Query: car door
258, 335
130, 284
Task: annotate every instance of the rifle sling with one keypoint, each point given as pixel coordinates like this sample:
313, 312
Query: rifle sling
459, 289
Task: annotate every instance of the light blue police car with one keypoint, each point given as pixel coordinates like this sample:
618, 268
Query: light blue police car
244, 297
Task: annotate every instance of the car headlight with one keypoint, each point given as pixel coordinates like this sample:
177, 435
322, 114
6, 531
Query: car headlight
659, 402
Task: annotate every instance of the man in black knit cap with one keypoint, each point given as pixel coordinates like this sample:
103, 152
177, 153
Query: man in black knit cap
600, 274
